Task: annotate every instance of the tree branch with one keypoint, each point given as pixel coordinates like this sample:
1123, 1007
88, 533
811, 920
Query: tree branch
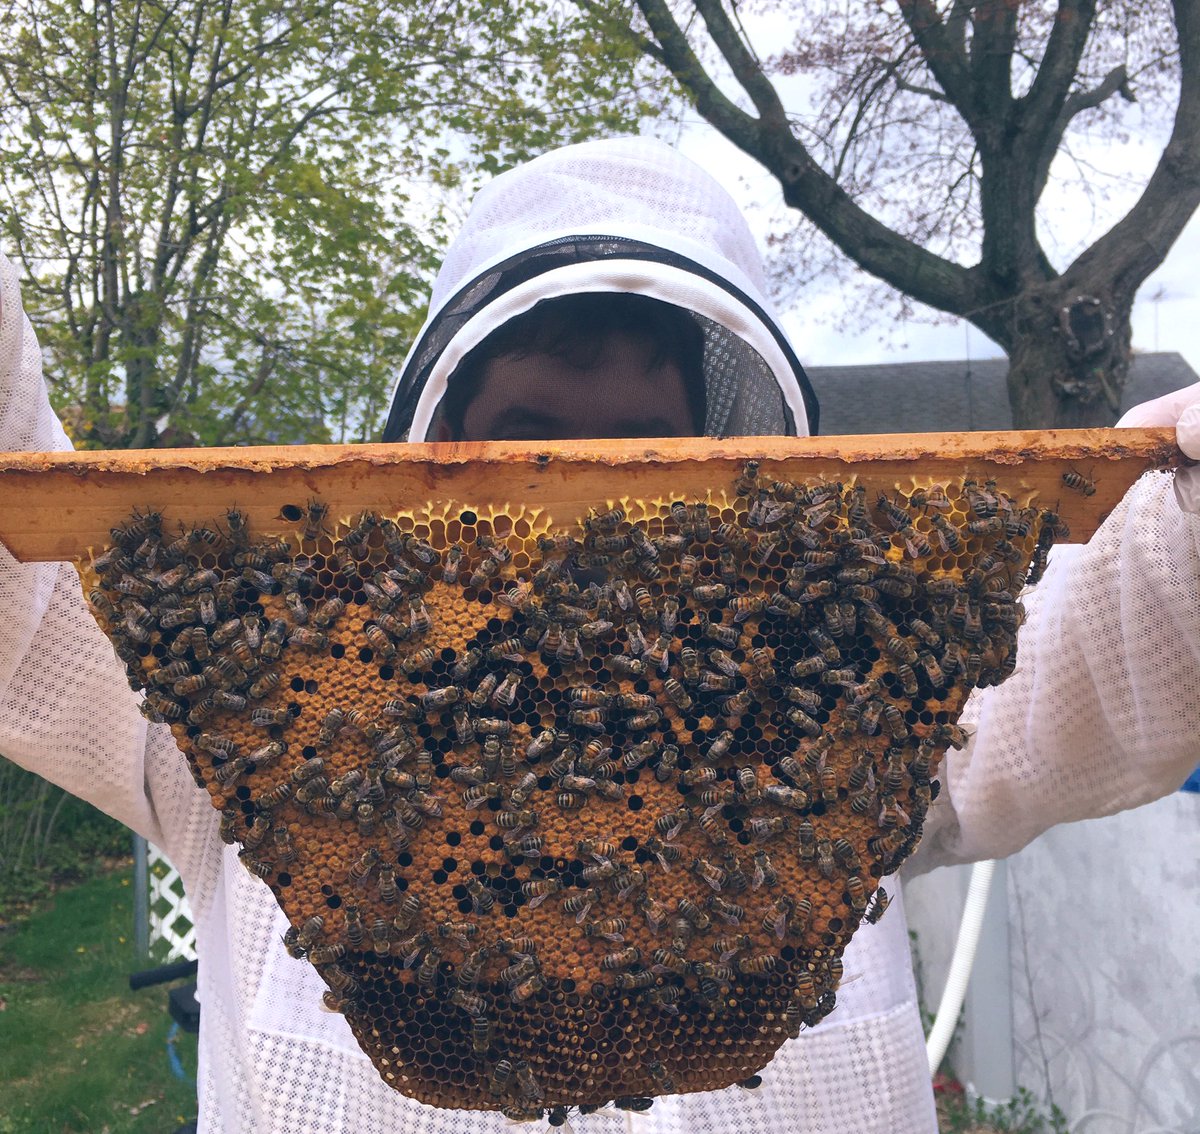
1116, 81
942, 47
681, 61
995, 35
806, 186
1140, 241
1039, 108
746, 69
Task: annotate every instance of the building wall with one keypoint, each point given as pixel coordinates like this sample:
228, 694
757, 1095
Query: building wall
1104, 933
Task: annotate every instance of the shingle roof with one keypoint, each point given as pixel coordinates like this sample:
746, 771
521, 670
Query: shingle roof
926, 397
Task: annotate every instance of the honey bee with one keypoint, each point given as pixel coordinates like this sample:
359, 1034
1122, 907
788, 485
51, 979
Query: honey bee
667, 760
437, 699
762, 830
610, 929
268, 752
410, 906
662, 1079
717, 683
652, 910
764, 873
802, 721
701, 525
698, 777
515, 820
635, 980
538, 890
419, 618
580, 904
671, 823
670, 961
857, 893
642, 721
664, 852
530, 846
710, 593
481, 897
591, 719
542, 744
806, 991
1079, 483
878, 906
758, 965
730, 912
808, 667
637, 755
308, 639
526, 989
470, 971
689, 659
604, 521
891, 814
469, 1002
714, 800
951, 734
622, 959
523, 968
328, 612
427, 971
933, 671
895, 722
600, 871
418, 661
793, 1019
500, 1077
355, 930
266, 718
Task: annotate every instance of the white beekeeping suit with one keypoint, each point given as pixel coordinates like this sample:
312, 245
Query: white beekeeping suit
1100, 715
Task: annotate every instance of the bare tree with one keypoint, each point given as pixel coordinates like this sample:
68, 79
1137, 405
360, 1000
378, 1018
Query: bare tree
928, 134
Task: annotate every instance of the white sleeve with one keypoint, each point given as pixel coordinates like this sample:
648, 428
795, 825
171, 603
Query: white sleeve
66, 709
1103, 710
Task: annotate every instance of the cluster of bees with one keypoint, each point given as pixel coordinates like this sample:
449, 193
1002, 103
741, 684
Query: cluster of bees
565, 819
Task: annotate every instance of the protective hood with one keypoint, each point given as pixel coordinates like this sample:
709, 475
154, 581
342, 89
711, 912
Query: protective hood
619, 215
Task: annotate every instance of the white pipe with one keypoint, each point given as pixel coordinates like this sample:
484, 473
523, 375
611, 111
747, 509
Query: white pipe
960, 965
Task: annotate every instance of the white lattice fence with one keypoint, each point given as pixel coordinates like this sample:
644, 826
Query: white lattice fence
170, 914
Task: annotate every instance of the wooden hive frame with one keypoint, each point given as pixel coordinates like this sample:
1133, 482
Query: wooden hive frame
73, 506
54, 506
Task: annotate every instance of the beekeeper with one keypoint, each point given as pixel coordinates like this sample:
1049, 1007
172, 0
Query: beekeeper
1100, 714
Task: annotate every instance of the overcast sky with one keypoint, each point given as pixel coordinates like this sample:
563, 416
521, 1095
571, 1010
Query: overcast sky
1166, 316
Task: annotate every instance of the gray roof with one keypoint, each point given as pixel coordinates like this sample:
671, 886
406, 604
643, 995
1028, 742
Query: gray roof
935, 397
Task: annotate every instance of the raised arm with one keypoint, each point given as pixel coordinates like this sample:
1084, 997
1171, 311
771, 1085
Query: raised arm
66, 710
1103, 711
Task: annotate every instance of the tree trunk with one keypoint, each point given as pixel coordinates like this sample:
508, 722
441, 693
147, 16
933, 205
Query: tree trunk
140, 329
1068, 358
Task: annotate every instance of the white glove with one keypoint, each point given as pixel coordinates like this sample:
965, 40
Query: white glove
1180, 408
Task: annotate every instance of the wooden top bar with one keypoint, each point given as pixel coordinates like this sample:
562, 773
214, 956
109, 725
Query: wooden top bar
58, 506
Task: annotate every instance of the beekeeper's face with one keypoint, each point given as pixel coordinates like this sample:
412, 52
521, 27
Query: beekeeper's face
623, 392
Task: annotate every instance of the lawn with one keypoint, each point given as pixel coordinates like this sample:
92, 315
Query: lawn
80, 1051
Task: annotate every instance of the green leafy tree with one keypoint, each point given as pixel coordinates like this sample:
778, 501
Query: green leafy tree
920, 138
229, 210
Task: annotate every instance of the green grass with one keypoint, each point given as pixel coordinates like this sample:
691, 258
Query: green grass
80, 1051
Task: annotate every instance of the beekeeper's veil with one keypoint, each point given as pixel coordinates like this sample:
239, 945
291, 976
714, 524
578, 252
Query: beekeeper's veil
622, 215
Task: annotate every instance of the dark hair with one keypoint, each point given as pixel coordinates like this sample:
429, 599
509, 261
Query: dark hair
576, 328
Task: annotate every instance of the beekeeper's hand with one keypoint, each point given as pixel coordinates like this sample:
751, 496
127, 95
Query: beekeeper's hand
1181, 409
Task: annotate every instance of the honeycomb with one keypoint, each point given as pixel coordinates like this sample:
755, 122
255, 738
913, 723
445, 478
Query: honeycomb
565, 818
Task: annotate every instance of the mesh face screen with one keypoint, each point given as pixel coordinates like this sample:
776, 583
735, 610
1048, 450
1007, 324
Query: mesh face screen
568, 817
